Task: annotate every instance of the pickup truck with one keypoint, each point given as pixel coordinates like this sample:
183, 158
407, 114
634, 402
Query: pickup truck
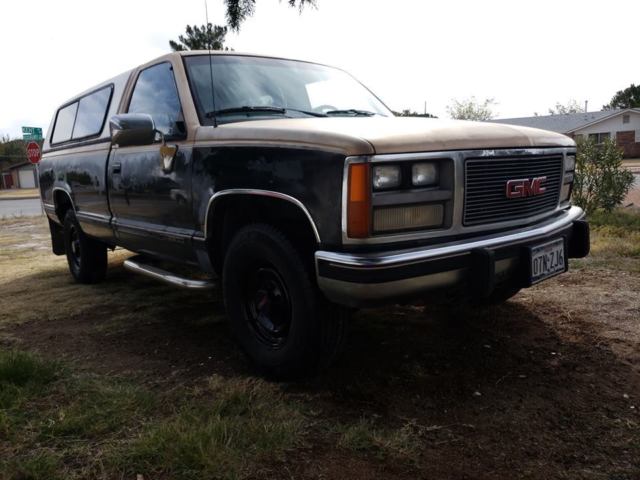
298, 189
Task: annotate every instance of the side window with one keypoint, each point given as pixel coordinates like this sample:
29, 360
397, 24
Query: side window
64, 123
156, 94
92, 111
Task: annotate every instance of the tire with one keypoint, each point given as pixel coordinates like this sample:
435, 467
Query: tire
87, 258
275, 311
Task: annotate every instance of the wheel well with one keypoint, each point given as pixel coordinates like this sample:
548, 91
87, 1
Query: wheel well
62, 202
230, 214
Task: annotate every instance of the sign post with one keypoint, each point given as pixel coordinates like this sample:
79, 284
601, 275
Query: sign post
34, 154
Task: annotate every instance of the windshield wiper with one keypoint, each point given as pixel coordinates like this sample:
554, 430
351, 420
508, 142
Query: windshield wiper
246, 109
307, 112
351, 111
261, 109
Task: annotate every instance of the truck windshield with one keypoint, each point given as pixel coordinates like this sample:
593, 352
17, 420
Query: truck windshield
247, 87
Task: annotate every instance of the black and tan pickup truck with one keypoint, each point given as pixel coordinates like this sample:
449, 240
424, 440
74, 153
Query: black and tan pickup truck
299, 190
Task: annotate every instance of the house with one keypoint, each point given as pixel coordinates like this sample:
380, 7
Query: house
622, 125
22, 175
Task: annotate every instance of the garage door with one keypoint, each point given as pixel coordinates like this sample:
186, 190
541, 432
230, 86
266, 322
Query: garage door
26, 178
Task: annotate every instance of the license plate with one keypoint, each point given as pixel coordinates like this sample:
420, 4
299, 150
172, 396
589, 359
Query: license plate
547, 260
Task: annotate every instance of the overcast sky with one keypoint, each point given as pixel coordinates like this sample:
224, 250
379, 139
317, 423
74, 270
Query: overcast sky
527, 54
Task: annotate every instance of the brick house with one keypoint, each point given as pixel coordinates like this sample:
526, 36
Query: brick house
622, 125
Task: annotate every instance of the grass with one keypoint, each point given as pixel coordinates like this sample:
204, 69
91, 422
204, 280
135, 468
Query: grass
61, 420
365, 436
55, 424
615, 240
227, 434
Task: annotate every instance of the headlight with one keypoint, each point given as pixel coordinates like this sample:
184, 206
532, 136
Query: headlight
424, 174
570, 163
385, 177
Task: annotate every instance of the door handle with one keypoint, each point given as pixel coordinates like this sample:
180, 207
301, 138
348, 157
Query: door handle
117, 167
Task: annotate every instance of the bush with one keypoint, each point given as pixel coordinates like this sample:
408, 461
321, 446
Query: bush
600, 180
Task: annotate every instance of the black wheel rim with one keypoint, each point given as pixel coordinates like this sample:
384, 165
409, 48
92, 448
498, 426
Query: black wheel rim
268, 306
74, 242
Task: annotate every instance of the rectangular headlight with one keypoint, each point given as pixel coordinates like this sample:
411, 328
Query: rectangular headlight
386, 177
407, 217
570, 163
424, 174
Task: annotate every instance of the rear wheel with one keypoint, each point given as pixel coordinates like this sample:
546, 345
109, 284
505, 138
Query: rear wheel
275, 311
87, 258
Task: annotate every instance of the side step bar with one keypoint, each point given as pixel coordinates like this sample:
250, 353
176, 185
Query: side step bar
137, 265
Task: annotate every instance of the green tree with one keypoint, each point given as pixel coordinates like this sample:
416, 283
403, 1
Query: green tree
627, 98
600, 181
204, 37
239, 10
571, 106
471, 109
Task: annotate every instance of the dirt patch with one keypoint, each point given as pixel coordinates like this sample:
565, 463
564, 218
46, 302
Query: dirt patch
545, 386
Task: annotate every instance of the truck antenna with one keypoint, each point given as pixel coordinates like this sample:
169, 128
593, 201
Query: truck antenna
213, 96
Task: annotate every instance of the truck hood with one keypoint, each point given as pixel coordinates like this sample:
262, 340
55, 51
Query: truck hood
379, 135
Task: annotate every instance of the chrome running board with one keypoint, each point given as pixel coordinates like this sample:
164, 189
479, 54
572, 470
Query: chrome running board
137, 265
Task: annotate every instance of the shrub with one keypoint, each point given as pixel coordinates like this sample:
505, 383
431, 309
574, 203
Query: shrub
600, 180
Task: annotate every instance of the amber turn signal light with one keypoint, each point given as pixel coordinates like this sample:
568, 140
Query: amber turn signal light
359, 201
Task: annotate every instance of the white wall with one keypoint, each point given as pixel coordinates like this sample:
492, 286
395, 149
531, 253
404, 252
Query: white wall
613, 125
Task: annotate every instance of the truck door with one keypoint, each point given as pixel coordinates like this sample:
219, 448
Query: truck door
150, 204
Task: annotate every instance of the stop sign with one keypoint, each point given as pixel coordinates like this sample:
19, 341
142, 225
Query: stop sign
33, 152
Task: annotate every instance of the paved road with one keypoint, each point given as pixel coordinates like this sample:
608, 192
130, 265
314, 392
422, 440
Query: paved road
29, 207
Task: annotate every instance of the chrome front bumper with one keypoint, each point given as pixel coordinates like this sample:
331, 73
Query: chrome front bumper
360, 279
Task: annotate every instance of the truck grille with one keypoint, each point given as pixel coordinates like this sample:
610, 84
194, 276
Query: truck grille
485, 200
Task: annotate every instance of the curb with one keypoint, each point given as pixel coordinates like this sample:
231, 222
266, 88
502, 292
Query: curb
20, 198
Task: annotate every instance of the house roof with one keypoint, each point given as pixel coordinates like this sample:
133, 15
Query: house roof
563, 123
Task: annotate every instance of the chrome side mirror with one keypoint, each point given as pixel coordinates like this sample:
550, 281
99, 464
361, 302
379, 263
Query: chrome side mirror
131, 129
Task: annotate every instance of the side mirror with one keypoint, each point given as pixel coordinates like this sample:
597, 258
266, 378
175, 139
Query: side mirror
131, 129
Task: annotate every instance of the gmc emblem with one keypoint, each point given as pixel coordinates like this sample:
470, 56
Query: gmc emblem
522, 188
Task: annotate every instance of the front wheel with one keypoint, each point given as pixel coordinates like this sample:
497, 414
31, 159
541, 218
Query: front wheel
274, 308
87, 258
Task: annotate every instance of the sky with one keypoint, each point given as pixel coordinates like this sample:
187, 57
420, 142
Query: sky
526, 54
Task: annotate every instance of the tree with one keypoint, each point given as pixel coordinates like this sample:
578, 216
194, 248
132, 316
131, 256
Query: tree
239, 10
12, 152
201, 38
600, 180
471, 109
627, 98
571, 106
411, 113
